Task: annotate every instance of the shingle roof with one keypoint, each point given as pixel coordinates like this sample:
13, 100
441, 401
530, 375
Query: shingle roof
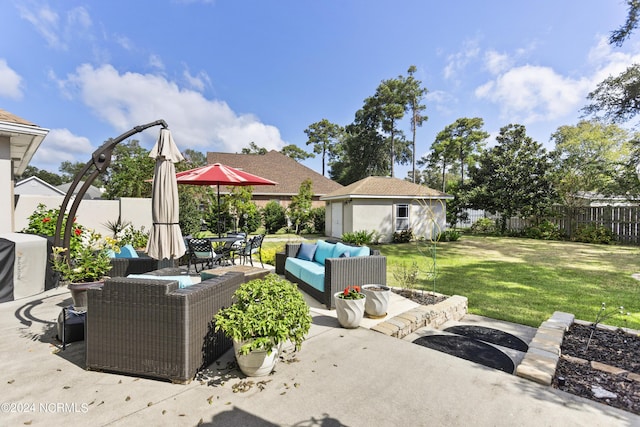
277, 167
384, 187
8, 117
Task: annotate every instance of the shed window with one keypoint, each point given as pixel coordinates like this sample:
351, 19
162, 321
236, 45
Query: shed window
402, 217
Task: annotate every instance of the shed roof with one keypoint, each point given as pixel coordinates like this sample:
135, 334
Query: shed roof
277, 167
383, 187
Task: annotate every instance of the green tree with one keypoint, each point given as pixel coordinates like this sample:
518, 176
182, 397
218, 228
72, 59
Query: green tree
295, 152
415, 93
240, 203
129, 172
512, 178
300, 206
254, 149
192, 159
621, 34
589, 157
461, 142
48, 177
325, 137
274, 217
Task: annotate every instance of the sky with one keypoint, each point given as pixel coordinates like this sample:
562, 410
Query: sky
224, 73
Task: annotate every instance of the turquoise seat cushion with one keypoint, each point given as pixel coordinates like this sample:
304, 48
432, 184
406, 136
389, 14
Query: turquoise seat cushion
183, 281
313, 274
341, 249
294, 265
306, 251
324, 251
127, 251
361, 251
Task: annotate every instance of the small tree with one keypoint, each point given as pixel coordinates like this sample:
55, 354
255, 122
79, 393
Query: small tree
300, 206
274, 217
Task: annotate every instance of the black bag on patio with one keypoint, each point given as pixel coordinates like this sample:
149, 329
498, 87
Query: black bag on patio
70, 325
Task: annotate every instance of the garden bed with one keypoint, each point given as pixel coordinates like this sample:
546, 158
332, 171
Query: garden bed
607, 371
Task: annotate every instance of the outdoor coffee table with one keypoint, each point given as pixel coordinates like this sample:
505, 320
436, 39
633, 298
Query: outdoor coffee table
249, 272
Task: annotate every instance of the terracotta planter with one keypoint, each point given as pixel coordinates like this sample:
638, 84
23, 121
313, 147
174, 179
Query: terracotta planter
79, 293
349, 311
257, 363
377, 300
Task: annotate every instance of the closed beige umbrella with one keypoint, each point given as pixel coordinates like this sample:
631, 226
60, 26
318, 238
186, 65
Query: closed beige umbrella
165, 238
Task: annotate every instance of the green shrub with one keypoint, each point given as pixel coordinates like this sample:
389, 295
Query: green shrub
274, 217
546, 230
269, 254
406, 277
593, 233
403, 236
449, 236
318, 220
361, 237
484, 226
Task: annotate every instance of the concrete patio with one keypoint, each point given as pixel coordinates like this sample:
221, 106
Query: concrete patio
341, 377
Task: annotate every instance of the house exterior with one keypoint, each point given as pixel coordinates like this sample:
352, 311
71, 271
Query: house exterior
36, 187
287, 172
19, 140
386, 205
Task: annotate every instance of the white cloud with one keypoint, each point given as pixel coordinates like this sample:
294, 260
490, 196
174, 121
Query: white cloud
532, 93
198, 82
130, 99
10, 82
496, 62
156, 62
457, 61
60, 145
57, 32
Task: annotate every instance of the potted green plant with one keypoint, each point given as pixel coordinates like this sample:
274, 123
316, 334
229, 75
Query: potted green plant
350, 306
266, 313
86, 266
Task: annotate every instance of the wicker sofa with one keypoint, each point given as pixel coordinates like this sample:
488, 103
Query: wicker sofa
122, 267
151, 328
339, 272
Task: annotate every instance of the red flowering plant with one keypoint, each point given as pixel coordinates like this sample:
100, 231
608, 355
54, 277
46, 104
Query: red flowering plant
351, 292
88, 259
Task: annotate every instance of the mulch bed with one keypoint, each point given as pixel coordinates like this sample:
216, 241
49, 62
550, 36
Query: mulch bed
577, 374
421, 297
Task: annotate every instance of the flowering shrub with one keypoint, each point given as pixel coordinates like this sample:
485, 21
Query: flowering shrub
43, 222
91, 260
351, 292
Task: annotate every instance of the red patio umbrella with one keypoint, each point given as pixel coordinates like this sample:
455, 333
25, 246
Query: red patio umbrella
219, 174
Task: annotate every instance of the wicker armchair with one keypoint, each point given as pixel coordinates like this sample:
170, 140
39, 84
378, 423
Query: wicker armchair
122, 267
340, 273
151, 328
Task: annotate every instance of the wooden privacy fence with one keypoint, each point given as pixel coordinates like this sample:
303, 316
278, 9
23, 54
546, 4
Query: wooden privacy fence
623, 221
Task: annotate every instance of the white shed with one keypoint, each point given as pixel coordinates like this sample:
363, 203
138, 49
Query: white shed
386, 205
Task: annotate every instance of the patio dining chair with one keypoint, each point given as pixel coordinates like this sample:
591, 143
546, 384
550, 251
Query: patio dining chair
252, 246
201, 252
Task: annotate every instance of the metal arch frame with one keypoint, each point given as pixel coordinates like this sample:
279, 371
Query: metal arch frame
100, 159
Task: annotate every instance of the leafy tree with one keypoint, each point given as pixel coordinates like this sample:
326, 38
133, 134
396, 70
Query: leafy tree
295, 152
274, 217
620, 35
192, 159
129, 171
589, 157
512, 178
300, 206
69, 170
190, 213
254, 149
415, 93
460, 142
325, 137
48, 177
240, 203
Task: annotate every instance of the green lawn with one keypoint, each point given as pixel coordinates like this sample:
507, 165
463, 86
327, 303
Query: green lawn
525, 281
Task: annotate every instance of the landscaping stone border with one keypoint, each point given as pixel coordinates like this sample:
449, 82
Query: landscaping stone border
453, 308
541, 360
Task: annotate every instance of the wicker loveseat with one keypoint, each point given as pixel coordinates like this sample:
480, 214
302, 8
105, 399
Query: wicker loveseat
122, 267
152, 328
333, 273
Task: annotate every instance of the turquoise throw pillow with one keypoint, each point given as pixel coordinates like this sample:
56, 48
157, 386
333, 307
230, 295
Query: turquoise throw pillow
127, 251
342, 248
324, 251
361, 251
306, 251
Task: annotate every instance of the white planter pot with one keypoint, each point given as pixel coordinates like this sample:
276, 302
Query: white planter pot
349, 311
377, 300
256, 363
